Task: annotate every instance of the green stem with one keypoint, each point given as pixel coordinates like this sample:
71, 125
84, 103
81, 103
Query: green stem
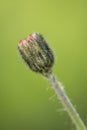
64, 99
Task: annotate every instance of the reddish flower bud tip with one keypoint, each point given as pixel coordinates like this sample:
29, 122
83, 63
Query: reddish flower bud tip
24, 42
20, 42
32, 36
27, 39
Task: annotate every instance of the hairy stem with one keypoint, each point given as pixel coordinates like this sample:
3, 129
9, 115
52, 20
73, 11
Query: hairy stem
64, 99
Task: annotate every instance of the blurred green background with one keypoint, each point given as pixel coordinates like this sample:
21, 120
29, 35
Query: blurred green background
26, 98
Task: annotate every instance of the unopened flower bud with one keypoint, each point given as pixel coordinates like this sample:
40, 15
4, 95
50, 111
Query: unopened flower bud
36, 53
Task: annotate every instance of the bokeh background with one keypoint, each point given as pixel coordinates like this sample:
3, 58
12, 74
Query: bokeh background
27, 101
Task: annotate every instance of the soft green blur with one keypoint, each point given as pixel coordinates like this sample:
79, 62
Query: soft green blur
27, 101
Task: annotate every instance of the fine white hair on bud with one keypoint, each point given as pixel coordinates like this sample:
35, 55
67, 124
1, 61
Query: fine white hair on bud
36, 53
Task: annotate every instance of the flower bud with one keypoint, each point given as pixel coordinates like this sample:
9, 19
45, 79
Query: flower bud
36, 53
